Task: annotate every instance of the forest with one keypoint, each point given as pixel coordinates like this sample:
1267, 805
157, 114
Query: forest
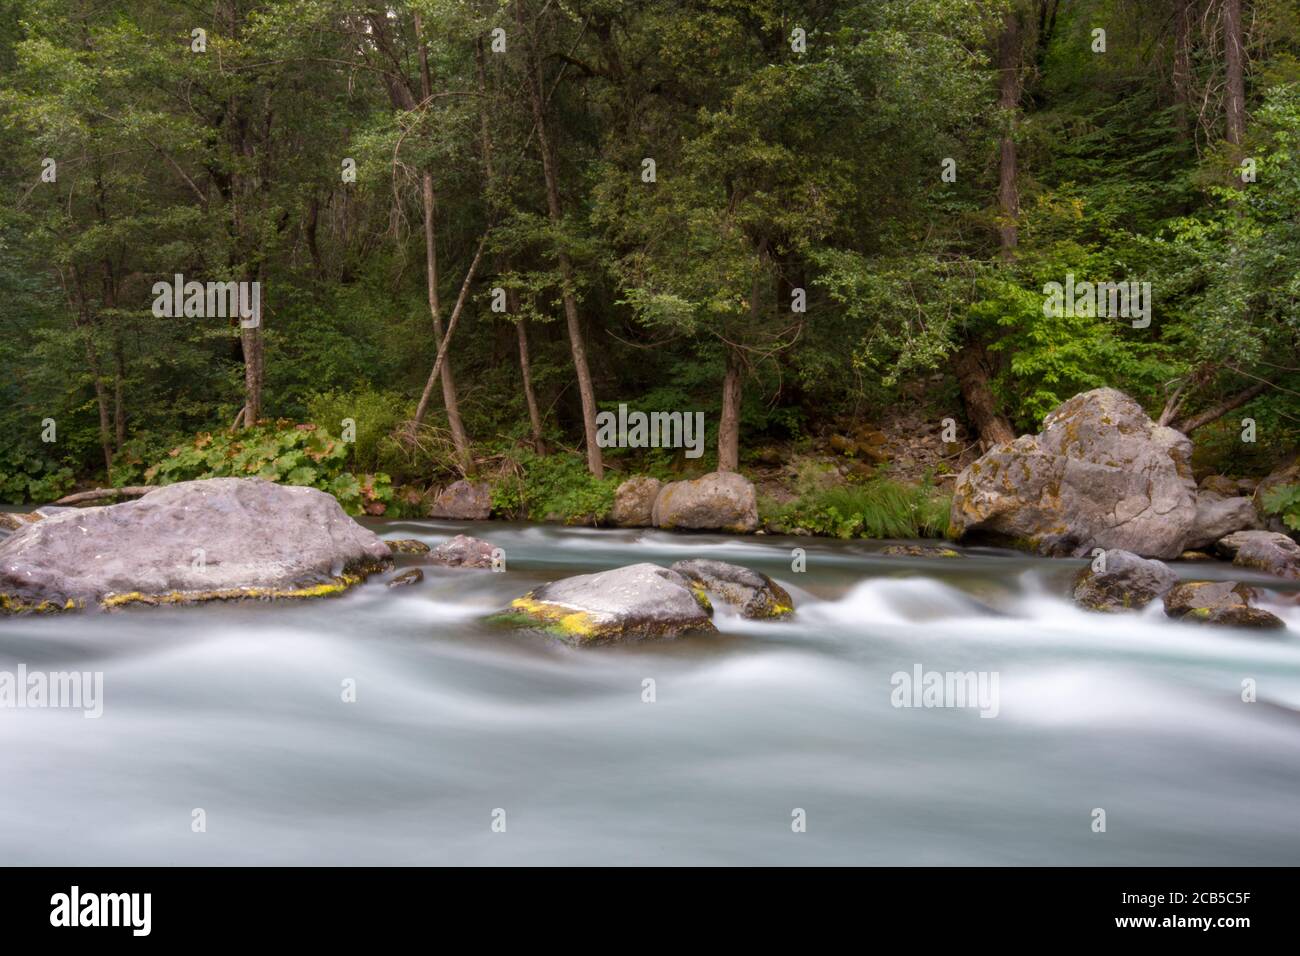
378, 248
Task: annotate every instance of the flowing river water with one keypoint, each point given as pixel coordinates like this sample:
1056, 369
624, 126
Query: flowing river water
237, 710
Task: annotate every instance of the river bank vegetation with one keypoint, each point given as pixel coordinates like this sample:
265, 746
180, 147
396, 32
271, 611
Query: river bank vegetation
828, 225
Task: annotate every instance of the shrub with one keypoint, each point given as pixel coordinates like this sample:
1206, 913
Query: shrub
878, 508
1284, 501
375, 415
31, 477
284, 452
537, 487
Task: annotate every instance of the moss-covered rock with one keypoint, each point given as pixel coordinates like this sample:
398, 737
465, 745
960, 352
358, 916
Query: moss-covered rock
213, 540
1121, 581
636, 602
718, 501
1101, 474
1225, 603
918, 551
1268, 551
407, 546
754, 594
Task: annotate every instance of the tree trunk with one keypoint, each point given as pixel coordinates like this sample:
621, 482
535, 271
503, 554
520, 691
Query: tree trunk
119, 362
526, 372
440, 362
1183, 19
119, 398
1008, 102
250, 340
729, 422
512, 297
1234, 62
972, 368
450, 400
595, 462
81, 319
971, 363
1215, 412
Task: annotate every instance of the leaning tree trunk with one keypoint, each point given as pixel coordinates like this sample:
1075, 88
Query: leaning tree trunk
450, 399
577, 344
530, 396
1218, 410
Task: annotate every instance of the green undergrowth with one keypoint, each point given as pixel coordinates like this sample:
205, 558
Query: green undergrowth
554, 487
284, 452
32, 477
1284, 501
877, 508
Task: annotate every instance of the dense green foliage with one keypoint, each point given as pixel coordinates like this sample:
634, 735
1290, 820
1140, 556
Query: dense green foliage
822, 504
552, 487
798, 151
1284, 501
294, 455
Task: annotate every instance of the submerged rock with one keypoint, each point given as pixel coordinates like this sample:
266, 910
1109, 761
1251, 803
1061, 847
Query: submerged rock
1127, 583
1218, 602
634, 502
1101, 474
463, 501
217, 539
407, 546
718, 501
630, 603
919, 551
409, 576
463, 551
755, 594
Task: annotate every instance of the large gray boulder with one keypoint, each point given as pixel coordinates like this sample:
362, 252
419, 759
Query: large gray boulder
1217, 516
718, 501
1101, 474
1122, 581
463, 501
634, 502
222, 538
754, 594
1269, 551
630, 603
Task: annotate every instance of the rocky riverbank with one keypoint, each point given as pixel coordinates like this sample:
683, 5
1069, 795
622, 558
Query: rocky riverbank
1100, 481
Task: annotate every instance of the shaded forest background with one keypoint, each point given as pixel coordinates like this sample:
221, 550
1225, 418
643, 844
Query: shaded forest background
503, 207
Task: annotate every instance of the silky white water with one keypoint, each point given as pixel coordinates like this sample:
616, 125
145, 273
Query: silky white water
237, 710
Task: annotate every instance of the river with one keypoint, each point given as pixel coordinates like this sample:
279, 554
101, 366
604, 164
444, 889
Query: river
467, 744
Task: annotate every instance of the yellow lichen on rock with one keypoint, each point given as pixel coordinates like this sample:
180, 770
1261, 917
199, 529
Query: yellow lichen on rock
572, 623
328, 589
